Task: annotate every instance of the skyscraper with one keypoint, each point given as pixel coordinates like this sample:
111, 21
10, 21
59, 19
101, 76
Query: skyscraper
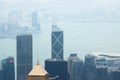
101, 68
90, 67
57, 43
58, 70
24, 56
1, 75
8, 70
77, 70
35, 22
75, 67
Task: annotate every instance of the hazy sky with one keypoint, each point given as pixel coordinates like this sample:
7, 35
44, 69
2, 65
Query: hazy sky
108, 4
80, 37
104, 9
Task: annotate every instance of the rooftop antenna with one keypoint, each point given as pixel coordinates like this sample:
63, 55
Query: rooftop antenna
38, 59
54, 18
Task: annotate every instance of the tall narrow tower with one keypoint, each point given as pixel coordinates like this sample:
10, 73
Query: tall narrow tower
57, 43
35, 21
24, 56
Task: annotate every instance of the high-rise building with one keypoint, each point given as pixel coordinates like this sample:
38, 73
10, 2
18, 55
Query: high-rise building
77, 70
57, 43
1, 72
72, 57
8, 70
1, 75
115, 75
101, 73
35, 22
101, 68
57, 69
24, 56
90, 67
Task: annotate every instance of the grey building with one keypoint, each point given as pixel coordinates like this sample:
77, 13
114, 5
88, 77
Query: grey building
58, 70
77, 70
72, 57
24, 56
101, 73
35, 21
90, 67
8, 70
57, 43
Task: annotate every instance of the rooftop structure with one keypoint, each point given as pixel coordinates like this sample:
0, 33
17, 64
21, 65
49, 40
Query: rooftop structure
38, 73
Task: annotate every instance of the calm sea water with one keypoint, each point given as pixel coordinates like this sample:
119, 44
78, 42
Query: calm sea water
81, 38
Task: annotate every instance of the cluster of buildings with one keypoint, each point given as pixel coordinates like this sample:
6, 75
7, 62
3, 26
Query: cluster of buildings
11, 29
96, 66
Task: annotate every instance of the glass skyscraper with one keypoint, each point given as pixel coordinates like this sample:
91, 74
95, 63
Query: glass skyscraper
24, 56
71, 58
35, 22
8, 70
58, 70
77, 70
57, 43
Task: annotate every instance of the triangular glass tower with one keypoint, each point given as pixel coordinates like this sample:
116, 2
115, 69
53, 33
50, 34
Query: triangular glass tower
57, 43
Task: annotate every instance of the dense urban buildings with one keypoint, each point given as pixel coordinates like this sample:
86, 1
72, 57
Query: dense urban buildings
24, 56
8, 69
57, 43
58, 70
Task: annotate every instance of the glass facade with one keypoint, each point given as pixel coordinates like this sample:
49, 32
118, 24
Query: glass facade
77, 70
57, 45
8, 70
24, 56
58, 70
35, 22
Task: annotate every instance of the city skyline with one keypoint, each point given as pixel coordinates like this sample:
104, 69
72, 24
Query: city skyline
69, 39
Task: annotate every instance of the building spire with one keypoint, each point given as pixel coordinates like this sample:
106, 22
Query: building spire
38, 63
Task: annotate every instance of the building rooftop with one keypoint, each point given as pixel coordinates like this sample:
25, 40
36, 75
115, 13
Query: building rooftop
108, 56
38, 70
55, 28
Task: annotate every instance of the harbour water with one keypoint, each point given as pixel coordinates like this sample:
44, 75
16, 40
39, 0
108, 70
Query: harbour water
79, 37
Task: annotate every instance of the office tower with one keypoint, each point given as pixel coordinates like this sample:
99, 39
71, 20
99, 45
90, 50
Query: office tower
115, 74
24, 56
38, 73
101, 68
57, 69
101, 62
35, 23
77, 70
1, 71
1, 75
101, 73
113, 59
89, 67
57, 43
8, 70
72, 57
